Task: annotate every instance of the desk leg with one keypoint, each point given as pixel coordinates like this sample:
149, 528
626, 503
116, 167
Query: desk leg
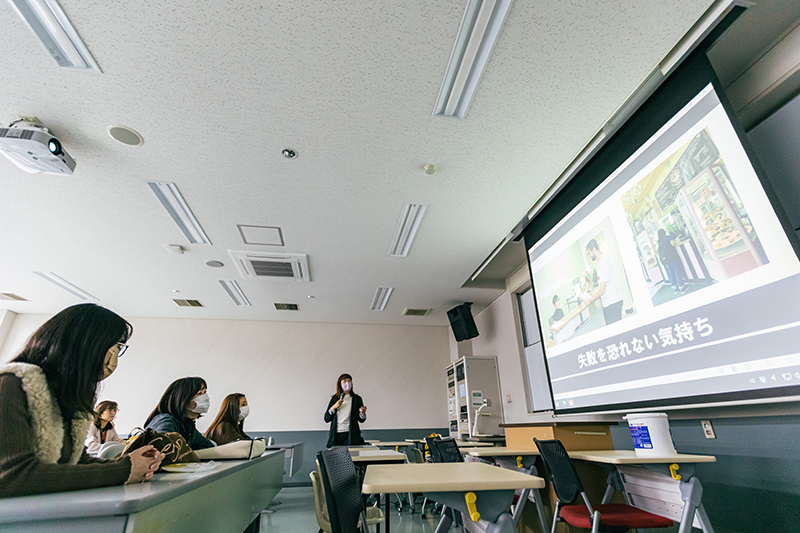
692, 495
614, 484
444, 522
386, 514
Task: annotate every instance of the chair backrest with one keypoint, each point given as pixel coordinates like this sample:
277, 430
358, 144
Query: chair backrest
435, 457
342, 490
419, 457
320, 507
562, 472
448, 451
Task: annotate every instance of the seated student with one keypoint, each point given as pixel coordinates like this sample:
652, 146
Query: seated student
184, 401
558, 314
46, 398
102, 429
229, 424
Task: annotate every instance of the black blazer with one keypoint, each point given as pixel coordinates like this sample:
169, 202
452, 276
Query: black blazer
355, 418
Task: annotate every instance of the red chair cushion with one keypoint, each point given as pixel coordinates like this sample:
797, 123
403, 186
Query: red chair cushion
613, 514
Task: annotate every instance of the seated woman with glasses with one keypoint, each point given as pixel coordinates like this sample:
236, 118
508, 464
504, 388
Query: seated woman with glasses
184, 401
47, 394
102, 429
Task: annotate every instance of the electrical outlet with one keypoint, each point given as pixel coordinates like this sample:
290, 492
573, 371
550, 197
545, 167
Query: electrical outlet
508, 398
708, 429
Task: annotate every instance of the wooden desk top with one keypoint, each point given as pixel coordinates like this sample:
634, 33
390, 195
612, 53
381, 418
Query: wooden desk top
444, 477
629, 457
393, 443
459, 443
383, 456
497, 451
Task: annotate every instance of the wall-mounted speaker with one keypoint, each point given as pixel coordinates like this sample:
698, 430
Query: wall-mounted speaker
462, 323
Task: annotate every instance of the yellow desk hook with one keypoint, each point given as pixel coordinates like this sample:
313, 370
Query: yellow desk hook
471, 498
519, 461
673, 470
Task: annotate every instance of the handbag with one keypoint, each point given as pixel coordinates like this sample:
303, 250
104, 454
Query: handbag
239, 449
172, 445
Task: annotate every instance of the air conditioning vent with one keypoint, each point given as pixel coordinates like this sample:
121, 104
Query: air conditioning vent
264, 266
188, 303
287, 307
416, 312
12, 297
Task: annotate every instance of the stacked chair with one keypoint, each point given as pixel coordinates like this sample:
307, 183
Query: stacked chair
609, 517
341, 491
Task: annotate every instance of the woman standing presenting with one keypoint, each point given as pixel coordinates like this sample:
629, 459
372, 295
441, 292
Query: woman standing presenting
345, 410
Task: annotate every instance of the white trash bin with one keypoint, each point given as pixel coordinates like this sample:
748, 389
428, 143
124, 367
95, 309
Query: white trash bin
651, 434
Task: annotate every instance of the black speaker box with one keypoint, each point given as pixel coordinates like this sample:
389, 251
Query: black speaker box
462, 323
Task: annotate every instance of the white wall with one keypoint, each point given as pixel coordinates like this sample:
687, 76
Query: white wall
287, 369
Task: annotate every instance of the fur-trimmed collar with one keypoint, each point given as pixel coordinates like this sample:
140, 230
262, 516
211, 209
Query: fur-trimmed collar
48, 424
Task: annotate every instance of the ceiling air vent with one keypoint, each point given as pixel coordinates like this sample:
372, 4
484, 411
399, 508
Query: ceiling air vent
188, 303
264, 266
286, 307
11, 296
416, 312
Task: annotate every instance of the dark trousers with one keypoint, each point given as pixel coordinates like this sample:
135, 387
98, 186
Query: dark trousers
613, 313
340, 439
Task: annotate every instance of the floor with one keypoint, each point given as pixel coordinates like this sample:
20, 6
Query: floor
295, 514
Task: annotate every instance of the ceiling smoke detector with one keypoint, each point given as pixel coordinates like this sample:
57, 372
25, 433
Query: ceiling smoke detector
288, 153
430, 168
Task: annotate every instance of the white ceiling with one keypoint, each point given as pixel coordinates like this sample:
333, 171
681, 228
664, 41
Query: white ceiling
217, 89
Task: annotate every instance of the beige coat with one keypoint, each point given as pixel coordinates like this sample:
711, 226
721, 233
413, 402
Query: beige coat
93, 440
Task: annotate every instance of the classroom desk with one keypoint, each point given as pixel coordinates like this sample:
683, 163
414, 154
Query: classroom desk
665, 486
362, 457
223, 500
459, 443
450, 484
513, 458
293, 452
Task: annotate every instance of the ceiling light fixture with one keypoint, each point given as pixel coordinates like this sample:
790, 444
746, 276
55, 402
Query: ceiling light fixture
235, 292
477, 35
52, 27
407, 225
381, 297
215, 264
169, 196
430, 168
288, 153
61, 283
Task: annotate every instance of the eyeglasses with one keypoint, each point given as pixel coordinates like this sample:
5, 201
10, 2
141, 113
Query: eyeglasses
122, 349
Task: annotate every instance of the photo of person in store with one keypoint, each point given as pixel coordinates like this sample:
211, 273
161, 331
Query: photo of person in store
689, 223
585, 287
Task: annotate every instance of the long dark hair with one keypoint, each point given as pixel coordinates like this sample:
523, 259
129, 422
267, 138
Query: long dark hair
101, 408
228, 412
177, 398
71, 348
339, 390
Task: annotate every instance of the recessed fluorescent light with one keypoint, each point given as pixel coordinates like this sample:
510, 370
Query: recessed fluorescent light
407, 226
60, 282
169, 196
477, 35
380, 299
50, 24
233, 290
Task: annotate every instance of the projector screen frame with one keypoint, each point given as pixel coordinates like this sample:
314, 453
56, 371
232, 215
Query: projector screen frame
686, 82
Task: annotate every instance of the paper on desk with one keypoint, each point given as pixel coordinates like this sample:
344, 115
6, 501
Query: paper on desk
191, 468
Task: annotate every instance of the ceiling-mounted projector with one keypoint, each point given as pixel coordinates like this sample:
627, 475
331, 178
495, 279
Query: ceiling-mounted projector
30, 146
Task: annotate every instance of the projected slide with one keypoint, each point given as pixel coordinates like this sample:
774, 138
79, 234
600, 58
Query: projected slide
673, 279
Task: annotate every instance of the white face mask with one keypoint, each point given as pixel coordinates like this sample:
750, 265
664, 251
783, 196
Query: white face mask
201, 404
243, 412
346, 386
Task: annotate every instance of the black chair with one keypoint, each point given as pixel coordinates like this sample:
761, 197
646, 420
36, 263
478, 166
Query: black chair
609, 517
448, 451
342, 490
435, 457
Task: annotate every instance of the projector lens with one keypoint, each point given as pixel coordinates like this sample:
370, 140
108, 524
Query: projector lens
54, 146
